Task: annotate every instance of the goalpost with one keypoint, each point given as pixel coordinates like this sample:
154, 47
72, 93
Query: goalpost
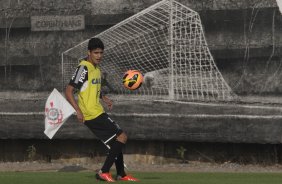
166, 43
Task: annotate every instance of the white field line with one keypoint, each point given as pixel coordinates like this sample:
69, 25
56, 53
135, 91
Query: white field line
240, 116
156, 115
21, 113
224, 105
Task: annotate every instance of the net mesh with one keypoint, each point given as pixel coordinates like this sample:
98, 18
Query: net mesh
167, 44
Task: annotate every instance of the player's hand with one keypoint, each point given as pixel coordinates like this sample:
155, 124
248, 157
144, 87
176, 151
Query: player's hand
108, 102
80, 116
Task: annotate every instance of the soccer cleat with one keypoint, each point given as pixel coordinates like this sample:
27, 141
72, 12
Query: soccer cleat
127, 178
104, 177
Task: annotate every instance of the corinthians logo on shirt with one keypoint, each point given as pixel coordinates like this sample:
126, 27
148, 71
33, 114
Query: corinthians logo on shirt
54, 115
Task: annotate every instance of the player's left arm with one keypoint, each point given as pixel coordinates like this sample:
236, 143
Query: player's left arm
107, 101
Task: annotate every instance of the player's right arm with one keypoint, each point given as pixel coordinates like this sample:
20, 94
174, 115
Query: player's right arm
78, 79
69, 96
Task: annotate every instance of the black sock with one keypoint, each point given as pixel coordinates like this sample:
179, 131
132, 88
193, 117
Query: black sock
116, 148
120, 165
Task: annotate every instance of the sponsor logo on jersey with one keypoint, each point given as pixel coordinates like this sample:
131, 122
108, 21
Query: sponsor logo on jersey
82, 76
96, 81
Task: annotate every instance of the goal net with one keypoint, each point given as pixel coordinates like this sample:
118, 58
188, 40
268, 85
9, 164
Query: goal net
167, 44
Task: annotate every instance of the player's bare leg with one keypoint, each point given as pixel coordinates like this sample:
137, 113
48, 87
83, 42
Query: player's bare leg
122, 138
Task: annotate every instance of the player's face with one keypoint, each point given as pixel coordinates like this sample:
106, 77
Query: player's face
95, 56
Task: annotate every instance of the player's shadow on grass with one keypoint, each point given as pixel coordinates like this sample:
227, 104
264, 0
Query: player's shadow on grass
141, 178
72, 168
91, 176
152, 178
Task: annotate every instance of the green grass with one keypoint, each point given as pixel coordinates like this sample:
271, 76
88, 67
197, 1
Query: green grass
148, 178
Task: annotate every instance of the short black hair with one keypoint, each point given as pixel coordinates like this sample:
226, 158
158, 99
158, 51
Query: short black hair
95, 43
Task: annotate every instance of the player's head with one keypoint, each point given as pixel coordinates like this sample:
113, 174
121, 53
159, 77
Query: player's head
95, 43
95, 50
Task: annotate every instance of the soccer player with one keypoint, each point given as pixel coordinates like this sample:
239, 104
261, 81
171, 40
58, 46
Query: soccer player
87, 81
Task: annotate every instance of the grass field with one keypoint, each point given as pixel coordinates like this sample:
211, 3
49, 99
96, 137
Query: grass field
148, 178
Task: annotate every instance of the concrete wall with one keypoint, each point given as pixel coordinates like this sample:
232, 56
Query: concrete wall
244, 38
155, 121
143, 152
155, 130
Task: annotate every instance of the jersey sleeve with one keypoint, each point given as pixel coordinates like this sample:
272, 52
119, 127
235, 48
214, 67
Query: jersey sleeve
79, 77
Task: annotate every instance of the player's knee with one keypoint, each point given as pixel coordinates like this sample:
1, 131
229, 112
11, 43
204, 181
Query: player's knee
122, 138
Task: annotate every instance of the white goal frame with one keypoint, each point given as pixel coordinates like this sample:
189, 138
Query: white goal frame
166, 43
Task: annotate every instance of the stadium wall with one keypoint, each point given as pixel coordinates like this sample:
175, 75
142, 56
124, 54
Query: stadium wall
156, 130
156, 121
244, 37
88, 152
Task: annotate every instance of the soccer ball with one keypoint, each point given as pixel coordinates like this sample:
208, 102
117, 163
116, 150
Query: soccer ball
132, 79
